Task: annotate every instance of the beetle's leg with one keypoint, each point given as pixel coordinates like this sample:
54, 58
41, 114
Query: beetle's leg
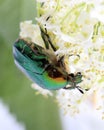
23, 48
50, 42
68, 87
46, 39
74, 55
61, 61
80, 89
75, 87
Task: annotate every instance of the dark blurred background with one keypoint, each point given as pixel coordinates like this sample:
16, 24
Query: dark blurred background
35, 111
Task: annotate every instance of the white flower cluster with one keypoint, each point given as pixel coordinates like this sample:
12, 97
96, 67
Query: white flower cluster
76, 28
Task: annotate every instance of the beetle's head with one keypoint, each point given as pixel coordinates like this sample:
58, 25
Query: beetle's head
75, 79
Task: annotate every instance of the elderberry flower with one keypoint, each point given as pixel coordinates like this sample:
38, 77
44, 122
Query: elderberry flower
76, 29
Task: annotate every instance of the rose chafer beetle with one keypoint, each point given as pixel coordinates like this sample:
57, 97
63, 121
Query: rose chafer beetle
42, 66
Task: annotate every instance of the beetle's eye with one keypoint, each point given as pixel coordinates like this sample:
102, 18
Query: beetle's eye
71, 74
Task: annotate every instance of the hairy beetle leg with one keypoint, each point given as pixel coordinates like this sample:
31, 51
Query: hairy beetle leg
47, 39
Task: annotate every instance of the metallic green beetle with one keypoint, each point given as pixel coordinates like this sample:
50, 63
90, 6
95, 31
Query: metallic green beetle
41, 65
